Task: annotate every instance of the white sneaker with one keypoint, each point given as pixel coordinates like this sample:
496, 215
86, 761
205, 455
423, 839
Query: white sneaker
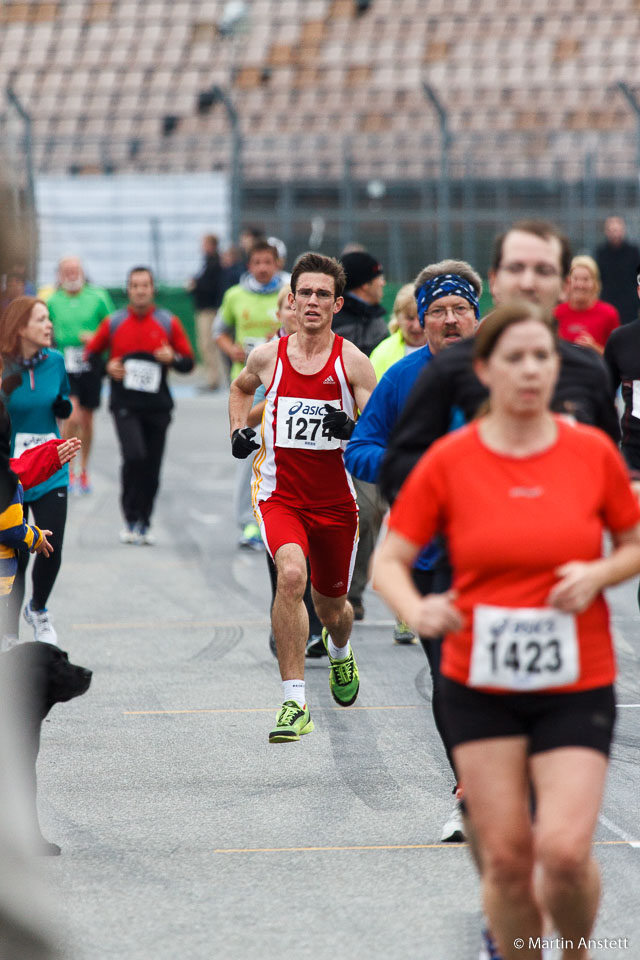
42, 626
144, 536
129, 534
453, 830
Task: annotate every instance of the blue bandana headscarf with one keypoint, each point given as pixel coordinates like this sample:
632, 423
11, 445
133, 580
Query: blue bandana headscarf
445, 285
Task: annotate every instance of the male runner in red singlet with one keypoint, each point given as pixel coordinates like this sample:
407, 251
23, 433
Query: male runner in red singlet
302, 494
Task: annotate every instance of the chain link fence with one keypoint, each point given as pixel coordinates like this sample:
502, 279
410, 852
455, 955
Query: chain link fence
453, 196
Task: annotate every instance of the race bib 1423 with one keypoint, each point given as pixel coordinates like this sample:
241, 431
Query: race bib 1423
523, 649
299, 424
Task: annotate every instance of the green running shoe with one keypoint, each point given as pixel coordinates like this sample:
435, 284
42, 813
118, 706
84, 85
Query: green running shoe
344, 679
292, 721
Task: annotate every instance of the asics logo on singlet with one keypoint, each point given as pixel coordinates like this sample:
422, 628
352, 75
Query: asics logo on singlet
329, 379
307, 409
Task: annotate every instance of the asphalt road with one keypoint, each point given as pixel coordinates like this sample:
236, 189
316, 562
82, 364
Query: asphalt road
185, 834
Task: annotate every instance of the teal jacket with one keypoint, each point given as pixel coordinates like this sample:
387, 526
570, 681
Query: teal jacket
30, 405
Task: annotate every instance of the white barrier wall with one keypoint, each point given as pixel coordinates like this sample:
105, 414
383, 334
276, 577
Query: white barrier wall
118, 221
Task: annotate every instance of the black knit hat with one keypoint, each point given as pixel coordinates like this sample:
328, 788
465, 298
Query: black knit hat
360, 267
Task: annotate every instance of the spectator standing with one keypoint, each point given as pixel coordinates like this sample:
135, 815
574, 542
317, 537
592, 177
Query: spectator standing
207, 289
582, 317
144, 342
76, 309
281, 249
235, 260
35, 390
617, 260
361, 320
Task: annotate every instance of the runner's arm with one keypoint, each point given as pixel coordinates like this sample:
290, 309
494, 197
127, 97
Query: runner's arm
580, 582
243, 388
360, 373
430, 615
182, 360
100, 339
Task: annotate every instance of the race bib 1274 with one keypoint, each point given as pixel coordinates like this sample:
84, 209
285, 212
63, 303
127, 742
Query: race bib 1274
530, 648
299, 424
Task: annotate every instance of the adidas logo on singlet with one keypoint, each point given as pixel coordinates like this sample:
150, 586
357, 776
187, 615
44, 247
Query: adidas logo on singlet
329, 379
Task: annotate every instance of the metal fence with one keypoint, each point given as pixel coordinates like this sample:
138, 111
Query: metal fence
455, 195
409, 223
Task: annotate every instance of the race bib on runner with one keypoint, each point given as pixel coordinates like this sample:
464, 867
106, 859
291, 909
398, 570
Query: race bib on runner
299, 424
142, 375
24, 441
635, 408
74, 360
523, 649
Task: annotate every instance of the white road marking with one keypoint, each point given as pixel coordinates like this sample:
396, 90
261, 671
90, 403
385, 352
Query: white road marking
618, 831
208, 518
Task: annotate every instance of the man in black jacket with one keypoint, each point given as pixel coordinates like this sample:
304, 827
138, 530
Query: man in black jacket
207, 288
361, 320
617, 260
622, 356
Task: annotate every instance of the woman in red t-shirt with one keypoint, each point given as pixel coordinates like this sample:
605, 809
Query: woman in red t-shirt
583, 318
523, 498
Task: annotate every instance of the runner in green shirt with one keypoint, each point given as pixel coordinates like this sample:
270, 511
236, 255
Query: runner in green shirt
76, 309
247, 315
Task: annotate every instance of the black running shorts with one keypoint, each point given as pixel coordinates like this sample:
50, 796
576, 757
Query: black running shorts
88, 386
548, 720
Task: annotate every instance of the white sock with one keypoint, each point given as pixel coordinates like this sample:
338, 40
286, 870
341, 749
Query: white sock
338, 653
294, 690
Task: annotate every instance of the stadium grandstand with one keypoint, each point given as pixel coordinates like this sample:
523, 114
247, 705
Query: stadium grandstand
456, 113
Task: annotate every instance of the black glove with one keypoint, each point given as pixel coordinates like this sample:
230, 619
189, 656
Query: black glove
242, 443
62, 407
337, 423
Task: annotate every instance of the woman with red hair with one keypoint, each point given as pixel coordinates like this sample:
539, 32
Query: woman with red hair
35, 391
